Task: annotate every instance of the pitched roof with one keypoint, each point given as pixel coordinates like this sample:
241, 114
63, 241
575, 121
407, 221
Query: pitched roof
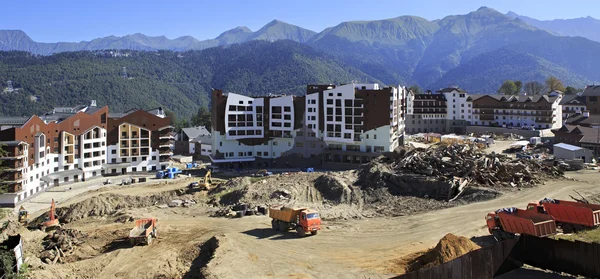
450, 89
589, 135
11, 120
204, 139
572, 100
194, 132
516, 98
591, 90
579, 119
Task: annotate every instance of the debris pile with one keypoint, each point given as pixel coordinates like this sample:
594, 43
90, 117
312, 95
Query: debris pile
60, 243
449, 248
460, 162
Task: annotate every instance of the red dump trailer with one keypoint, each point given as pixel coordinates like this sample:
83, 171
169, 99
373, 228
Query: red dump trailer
143, 231
568, 214
508, 222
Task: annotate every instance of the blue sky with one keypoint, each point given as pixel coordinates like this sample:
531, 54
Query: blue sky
77, 20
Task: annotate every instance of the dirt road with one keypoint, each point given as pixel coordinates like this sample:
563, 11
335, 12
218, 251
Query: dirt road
248, 248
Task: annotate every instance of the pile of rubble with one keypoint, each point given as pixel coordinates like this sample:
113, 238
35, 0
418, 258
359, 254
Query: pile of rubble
239, 210
60, 243
466, 163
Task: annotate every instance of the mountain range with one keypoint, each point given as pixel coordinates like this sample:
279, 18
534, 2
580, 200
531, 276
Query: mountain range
274, 30
476, 51
587, 27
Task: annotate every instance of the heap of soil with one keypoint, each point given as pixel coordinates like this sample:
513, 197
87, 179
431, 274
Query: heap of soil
449, 248
108, 204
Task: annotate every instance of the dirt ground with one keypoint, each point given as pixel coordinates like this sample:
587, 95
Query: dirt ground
193, 245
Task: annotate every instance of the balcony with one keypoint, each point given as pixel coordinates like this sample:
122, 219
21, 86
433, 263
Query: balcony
12, 165
11, 177
12, 187
168, 135
166, 143
165, 152
14, 153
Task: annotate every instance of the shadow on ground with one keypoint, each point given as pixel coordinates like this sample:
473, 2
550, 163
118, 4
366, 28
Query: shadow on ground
268, 233
120, 243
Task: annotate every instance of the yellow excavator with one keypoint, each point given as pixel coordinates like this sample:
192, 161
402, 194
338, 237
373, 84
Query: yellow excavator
207, 181
23, 215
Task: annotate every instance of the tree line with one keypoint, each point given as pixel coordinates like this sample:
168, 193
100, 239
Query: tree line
551, 84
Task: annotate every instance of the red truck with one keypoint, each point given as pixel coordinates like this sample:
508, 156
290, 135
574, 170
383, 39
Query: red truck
507, 222
570, 216
143, 231
302, 220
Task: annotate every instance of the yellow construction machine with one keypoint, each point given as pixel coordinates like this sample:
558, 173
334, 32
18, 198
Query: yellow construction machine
23, 216
207, 181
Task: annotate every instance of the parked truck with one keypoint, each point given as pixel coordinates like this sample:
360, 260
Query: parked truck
570, 216
143, 231
507, 222
302, 220
168, 173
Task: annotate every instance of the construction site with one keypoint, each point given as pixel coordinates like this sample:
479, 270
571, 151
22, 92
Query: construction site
400, 214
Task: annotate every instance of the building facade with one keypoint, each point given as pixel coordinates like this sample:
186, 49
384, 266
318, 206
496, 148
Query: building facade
572, 105
192, 140
339, 124
139, 141
532, 112
73, 144
63, 146
448, 110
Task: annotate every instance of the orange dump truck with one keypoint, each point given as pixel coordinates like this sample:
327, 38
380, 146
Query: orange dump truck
571, 216
144, 231
302, 220
507, 222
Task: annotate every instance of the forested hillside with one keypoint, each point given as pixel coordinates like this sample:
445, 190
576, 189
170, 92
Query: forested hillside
178, 81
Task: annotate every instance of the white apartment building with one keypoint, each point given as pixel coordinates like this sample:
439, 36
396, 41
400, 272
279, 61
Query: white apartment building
328, 119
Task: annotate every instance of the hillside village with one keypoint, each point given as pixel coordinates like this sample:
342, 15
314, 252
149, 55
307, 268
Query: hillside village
291, 153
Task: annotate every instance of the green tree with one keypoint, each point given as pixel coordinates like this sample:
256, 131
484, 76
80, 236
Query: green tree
416, 89
534, 88
508, 87
519, 85
202, 118
572, 90
553, 83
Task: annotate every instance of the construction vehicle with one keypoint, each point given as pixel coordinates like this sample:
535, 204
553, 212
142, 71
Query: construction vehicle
52, 222
207, 180
23, 215
570, 216
508, 222
143, 231
302, 220
261, 173
170, 173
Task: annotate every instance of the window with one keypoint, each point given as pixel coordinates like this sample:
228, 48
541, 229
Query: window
299, 144
287, 109
339, 94
287, 125
374, 136
274, 143
329, 101
114, 151
240, 154
56, 159
144, 158
258, 153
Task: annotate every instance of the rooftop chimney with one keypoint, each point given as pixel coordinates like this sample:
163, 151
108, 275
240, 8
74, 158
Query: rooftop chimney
586, 113
93, 104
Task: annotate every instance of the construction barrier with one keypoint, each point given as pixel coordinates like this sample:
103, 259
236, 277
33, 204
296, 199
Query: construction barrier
573, 257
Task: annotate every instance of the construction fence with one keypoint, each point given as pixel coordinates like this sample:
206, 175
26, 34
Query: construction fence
573, 257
